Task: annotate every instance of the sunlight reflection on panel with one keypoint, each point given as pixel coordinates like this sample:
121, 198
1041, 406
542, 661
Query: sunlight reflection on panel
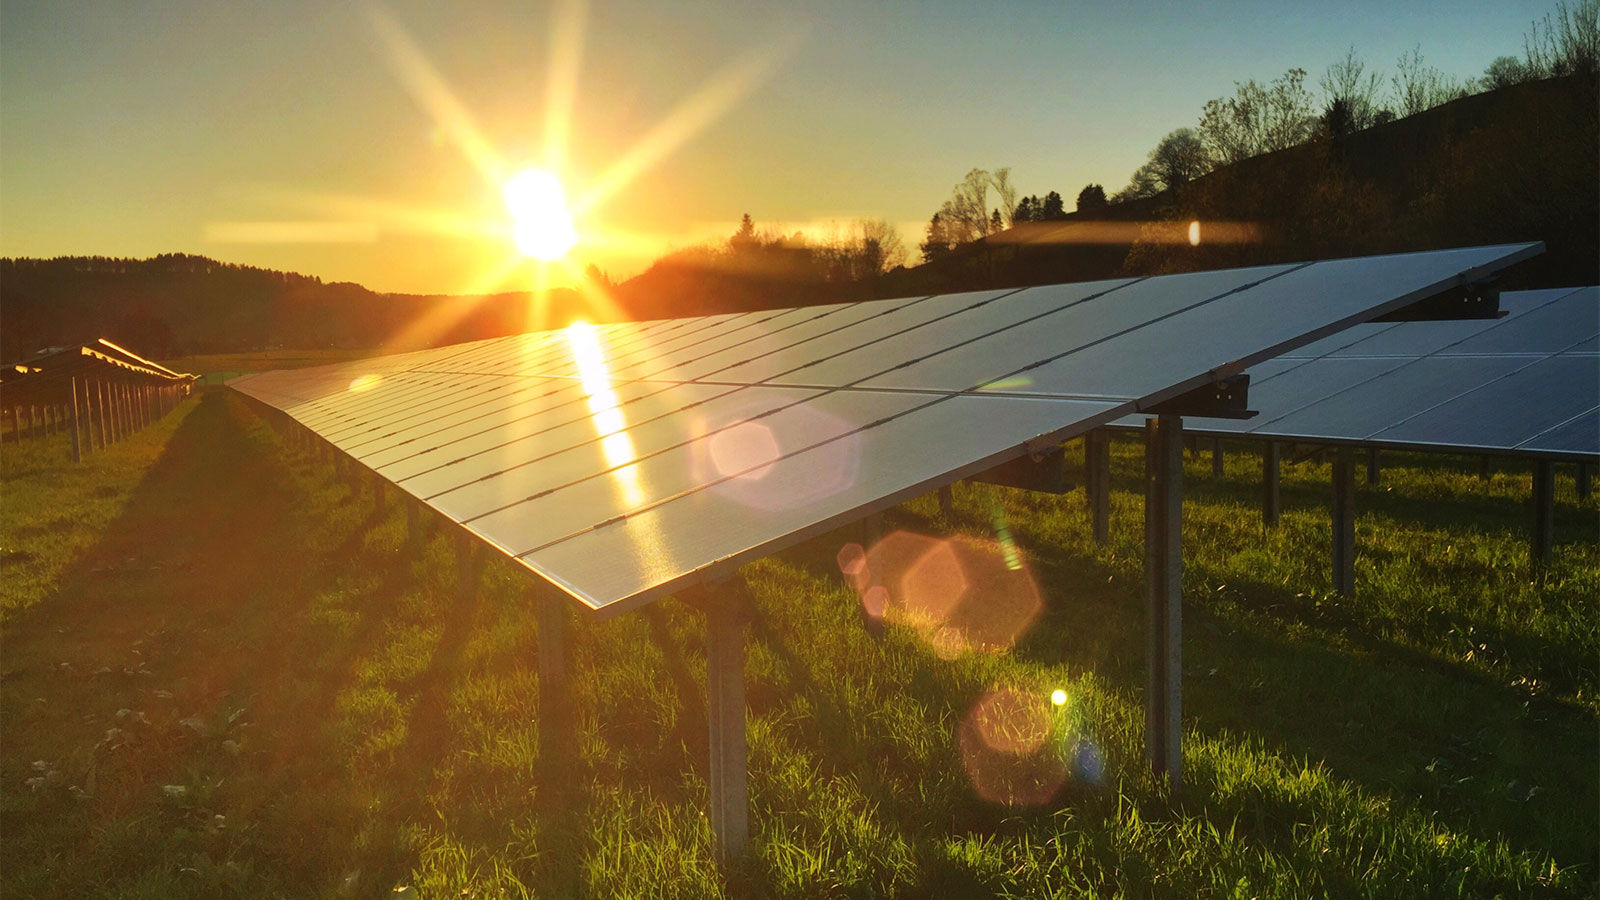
605, 411
1010, 749
959, 594
365, 383
740, 442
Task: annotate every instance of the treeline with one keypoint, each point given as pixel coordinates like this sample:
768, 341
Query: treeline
1257, 120
178, 304
757, 268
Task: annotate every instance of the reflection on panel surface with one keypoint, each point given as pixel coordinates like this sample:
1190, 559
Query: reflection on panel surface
623, 461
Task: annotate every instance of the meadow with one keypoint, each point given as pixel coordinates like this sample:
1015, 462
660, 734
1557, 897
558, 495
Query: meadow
225, 673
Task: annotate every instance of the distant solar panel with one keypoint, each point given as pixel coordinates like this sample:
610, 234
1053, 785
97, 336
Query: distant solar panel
1528, 383
624, 462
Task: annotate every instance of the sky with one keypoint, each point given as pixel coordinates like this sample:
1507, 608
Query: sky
369, 141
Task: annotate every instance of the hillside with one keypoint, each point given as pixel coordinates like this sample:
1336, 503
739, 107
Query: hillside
177, 304
1515, 164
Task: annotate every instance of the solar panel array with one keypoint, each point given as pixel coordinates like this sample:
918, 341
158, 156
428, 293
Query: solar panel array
1527, 383
623, 462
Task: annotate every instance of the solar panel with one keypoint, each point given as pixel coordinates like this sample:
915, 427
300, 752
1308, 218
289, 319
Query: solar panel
624, 462
1526, 383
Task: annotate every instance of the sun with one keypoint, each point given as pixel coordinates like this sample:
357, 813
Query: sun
541, 224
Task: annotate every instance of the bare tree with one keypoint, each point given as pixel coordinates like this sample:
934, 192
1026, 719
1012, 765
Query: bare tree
1007, 192
1419, 86
1348, 80
881, 245
1569, 45
1257, 120
966, 216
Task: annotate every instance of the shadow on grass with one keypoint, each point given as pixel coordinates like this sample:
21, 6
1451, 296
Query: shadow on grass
1442, 737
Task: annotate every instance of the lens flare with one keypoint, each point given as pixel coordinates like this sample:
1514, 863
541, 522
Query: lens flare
1058, 697
541, 224
959, 594
1194, 233
746, 450
1007, 749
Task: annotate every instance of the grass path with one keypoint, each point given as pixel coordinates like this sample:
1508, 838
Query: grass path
224, 675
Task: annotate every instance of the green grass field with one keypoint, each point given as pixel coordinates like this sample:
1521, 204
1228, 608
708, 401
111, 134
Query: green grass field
224, 675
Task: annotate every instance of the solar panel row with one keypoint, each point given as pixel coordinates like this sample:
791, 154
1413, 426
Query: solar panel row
625, 461
1527, 383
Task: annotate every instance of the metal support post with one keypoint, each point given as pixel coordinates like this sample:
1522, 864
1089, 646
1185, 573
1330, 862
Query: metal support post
1271, 496
556, 743
1372, 465
1483, 468
466, 565
77, 446
947, 505
1344, 525
100, 409
1163, 570
413, 522
1097, 482
1581, 481
1216, 457
1544, 514
377, 495
730, 788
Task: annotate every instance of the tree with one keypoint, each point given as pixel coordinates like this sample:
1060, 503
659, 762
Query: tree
1008, 194
1569, 45
881, 247
1142, 184
938, 241
1418, 86
744, 239
1091, 199
1257, 120
1052, 210
996, 222
1177, 159
1349, 81
965, 215
1504, 72
1028, 210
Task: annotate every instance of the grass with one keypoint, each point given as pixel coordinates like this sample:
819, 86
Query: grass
224, 674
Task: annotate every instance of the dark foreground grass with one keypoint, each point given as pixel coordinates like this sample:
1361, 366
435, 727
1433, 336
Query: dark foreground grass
225, 677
